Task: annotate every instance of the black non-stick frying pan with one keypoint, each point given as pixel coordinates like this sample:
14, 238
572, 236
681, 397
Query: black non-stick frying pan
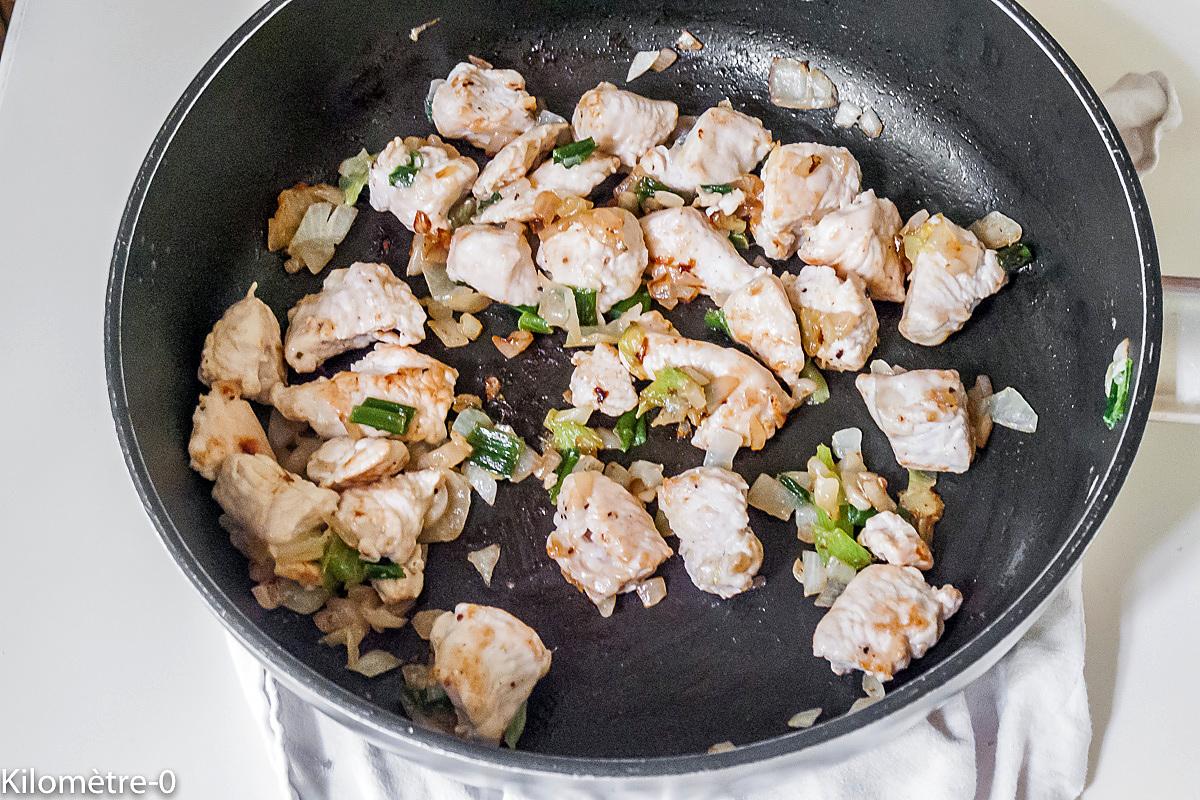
982, 111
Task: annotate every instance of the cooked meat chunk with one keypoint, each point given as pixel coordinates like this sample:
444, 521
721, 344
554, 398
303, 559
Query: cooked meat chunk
889, 536
488, 661
754, 404
399, 590
860, 239
344, 462
722, 146
487, 107
706, 508
578, 180
603, 540
600, 381
837, 321
952, 272
224, 424
244, 349
801, 184
389, 372
884, 619
264, 502
383, 519
356, 307
517, 157
600, 249
924, 415
623, 123
420, 180
496, 262
681, 239
760, 317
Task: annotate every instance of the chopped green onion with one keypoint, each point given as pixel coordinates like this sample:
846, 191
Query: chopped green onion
569, 459
405, 173
857, 516
383, 415
793, 486
813, 374
585, 306
430, 700
716, 320
343, 567
740, 240
641, 298
531, 321
571, 435
631, 430
384, 570
488, 201
1014, 256
354, 172
462, 212
716, 188
833, 540
648, 186
494, 450
672, 390
512, 734
1118, 394
826, 457
575, 153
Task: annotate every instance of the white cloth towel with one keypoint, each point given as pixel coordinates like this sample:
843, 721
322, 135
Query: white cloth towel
1021, 732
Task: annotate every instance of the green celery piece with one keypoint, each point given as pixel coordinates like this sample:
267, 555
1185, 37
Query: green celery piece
811, 372
831, 539
353, 174
798, 491
667, 381
717, 188
531, 321
826, 456
1015, 256
571, 435
740, 240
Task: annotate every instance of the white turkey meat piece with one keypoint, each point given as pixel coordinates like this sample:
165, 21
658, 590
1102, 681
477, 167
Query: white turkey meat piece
578, 180
517, 157
357, 306
383, 519
623, 123
924, 415
603, 540
265, 503
760, 316
223, 424
391, 372
600, 249
344, 462
682, 239
706, 509
419, 181
952, 272
488, 661
245, 350
802, 183
891, 538
722, 146
601, 382
860, 239
486, 106
837, 320
886, 617
496, 262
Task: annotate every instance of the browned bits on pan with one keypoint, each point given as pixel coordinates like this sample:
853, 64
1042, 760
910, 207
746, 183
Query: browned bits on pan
491, 388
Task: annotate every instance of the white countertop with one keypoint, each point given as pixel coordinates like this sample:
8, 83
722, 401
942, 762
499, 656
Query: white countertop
109, 660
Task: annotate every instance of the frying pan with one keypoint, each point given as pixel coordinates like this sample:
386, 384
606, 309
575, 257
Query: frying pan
982, 111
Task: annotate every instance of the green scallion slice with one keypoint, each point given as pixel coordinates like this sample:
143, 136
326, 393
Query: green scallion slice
575, 153
631, 430
716, 188
494, 450
648, 186
740, 240
531, 321
642, 298
569, 460
1117, 405
404, 174
383, 415
585, 306
716, 320
1014, 256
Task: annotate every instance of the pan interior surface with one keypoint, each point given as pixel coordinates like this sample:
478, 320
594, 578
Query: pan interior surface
977, 117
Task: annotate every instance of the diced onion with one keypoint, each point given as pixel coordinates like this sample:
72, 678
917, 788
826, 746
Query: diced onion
814, 574
870, 123
804, 719
609, 439
722, 747
847, 441
872, 686
618, 474
646, 477
861, 703
798, 570
881, 367
977, 410
449, 526
606, 606
482, 482
416, 32
837, 577
471, 326
723, 447
484, 562
526, 464
797, 84
374, 663
449, 333
1010, 410
588, 464
666, 57
548, 117
299, 599
769, 495
847, 114
688, 42
806, 518
448, 456
468, 420
652, 592
323, 227
643, 60
996, 230
422, 621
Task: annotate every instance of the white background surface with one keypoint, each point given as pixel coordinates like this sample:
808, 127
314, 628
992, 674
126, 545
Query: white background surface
109, 660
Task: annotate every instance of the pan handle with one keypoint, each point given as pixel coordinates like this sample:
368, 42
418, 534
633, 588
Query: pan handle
1177, 395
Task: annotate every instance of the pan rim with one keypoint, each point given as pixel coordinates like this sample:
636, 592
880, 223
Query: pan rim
900, 707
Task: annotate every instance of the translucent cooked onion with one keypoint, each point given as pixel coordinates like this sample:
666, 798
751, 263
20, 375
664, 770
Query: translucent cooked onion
482, 482
881, 367
642, 61
870, 123
1010, 410
847, 115
872, 686
770, 496
422, 621
606, 606
449, 333
374, 663
797, 84
688, 42
484, 561
299, 599
448, 456
837, 577
861, 703
618, 474
652, 592
723, 447
804, 719
449, 526
468, 420
416, 32
722, 747
471, 326
847, 441
806, 518
814, 573
526, 464
996, 230
323, 227
977, 410
645, 478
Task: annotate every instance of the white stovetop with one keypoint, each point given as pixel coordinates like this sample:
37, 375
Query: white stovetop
109, 660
